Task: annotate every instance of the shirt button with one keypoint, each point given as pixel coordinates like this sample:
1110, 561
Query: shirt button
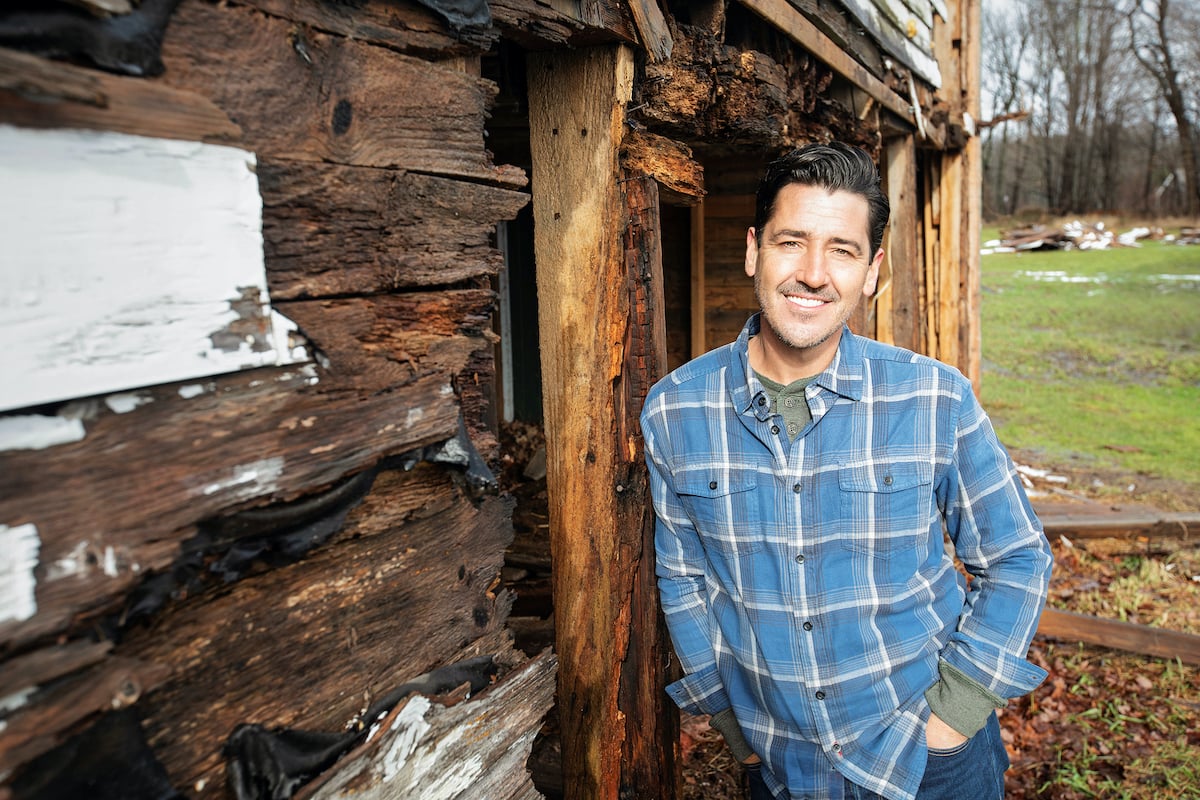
807, 626
789, 402
712, 484
819, 695
762, 401
800, 558
837, 748
887, 480
796, 488
774, 429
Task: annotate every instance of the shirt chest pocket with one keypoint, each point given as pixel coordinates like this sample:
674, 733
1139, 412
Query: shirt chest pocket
887, 507
725, 510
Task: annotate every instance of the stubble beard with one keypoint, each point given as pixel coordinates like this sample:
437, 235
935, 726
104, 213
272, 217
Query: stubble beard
779, 331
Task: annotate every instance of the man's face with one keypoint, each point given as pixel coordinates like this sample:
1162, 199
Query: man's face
810, 270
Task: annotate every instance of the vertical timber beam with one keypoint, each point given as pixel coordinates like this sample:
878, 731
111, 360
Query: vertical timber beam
598, 327
898, 302
956, 47
699, 293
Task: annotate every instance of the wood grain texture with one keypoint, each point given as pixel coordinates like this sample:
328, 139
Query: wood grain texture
335, 230
576, 119
477, 748
39, 93
305, 95
110, 507
404, 588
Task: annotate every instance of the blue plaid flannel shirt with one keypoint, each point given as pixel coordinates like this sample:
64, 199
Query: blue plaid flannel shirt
806, 583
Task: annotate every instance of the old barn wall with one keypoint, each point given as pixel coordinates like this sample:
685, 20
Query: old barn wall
281, 546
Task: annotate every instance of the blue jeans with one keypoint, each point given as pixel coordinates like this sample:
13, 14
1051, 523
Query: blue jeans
974, 769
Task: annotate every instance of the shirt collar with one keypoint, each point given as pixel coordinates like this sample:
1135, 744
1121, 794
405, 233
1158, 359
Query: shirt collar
843, 376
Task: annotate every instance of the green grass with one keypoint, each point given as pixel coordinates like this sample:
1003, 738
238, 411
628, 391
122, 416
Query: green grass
1101, 367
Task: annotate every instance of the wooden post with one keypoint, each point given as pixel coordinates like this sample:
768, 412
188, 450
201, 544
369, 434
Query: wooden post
602, 343
699, 326
897, 318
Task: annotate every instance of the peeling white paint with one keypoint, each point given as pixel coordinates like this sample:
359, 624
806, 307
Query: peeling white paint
15, 700
193, 390
124, 402
19, 546
425, 766
250, 480
73, 564
37, 431
411, 724
129, 261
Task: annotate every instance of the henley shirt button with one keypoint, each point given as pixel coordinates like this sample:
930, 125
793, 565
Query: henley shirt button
819, 695
712, 484
796, 488
807, 626
800, 558
789, 402
774, 429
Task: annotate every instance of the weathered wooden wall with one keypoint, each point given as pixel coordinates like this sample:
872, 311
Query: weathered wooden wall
283, 546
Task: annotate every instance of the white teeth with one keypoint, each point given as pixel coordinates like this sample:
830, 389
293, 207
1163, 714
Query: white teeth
806, 302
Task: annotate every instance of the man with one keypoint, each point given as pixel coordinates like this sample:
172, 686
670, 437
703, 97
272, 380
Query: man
802, 478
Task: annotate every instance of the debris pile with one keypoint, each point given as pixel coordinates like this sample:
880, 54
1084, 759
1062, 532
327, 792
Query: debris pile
1078, 235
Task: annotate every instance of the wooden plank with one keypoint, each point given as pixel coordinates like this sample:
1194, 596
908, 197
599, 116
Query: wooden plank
652, 29
426, 751
652, 727
134, 261
950, 292
1141, 639
1123, 525
699, 303
394, 229
39, 93
903, 244
783, 16
399, 591
902, 35
305, 95
576, 110
204, 450
405, 27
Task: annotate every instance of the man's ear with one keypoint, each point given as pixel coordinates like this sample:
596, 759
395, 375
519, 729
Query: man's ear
751, 251
873, 273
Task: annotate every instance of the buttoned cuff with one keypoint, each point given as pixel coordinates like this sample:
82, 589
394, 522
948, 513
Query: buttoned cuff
960, 702
702, 692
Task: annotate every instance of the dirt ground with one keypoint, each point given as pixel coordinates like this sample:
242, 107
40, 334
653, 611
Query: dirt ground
1105, 724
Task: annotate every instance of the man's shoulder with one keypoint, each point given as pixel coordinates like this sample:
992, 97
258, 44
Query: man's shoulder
694, 376
901, 360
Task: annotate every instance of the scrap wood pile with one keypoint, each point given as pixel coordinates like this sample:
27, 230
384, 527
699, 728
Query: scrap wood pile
1082, 236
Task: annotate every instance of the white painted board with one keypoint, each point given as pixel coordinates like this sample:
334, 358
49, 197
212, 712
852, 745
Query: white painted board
128, 261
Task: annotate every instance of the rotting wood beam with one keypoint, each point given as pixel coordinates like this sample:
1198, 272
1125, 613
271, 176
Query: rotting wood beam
670, 164
1141, 639
785, 17
1124, 526
596, 482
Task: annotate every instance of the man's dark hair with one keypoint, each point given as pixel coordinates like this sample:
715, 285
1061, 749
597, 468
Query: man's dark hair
834, 167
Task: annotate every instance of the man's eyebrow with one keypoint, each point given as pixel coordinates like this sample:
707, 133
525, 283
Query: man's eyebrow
792, 233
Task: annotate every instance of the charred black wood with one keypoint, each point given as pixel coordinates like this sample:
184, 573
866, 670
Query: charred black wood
110, 760
129, 44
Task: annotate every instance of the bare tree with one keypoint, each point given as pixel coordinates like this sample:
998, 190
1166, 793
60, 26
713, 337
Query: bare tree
1155, 26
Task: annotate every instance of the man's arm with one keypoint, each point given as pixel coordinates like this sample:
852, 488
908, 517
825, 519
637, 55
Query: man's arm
680, 567
1000, 542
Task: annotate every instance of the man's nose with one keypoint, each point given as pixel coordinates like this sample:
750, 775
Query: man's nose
813, 270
